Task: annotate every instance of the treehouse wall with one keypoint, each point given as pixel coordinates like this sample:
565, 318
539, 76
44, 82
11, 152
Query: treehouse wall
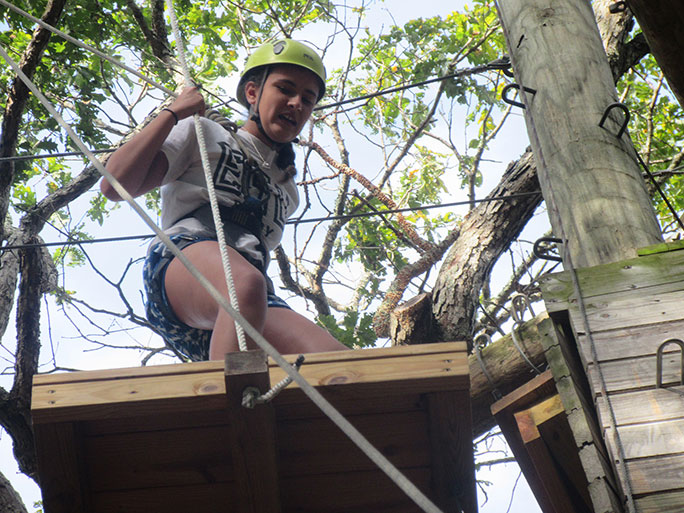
632, 307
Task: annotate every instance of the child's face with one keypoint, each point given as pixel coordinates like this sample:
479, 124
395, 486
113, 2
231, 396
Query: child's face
286, 103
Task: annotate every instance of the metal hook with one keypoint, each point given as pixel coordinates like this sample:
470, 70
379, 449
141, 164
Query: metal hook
659, 362
541, 251
504, 94
624, 109
478, 352
617, 7
520, 302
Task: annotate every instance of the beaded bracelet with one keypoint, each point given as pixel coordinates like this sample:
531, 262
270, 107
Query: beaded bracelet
175, 116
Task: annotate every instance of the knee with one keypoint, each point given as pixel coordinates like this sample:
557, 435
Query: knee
250, 286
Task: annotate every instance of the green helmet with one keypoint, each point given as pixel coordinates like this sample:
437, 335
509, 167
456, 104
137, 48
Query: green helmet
285, 51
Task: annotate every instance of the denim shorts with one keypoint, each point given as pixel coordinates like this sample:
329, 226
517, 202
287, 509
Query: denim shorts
190, 342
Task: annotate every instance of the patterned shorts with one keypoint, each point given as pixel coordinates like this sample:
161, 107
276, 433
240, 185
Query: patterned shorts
188, 341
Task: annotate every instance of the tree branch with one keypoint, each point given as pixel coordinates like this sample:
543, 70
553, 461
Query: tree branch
16, 101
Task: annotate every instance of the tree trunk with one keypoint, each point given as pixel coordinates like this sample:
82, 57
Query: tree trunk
486, 232
10, 502
507, 369
662, 22
592, 184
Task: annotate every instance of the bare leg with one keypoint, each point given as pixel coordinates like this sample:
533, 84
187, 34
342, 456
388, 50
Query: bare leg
193, 305
290, 333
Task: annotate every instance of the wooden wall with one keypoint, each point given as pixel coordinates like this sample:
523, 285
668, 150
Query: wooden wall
632, 307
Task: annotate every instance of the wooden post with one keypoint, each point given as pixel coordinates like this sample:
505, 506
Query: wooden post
252, 434
590, 179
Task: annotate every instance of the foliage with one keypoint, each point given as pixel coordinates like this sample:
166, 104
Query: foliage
657, 129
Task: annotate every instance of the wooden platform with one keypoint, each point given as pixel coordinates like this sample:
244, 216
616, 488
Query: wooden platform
170, 438
632, 306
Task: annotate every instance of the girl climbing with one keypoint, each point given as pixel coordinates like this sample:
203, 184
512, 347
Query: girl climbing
253, 174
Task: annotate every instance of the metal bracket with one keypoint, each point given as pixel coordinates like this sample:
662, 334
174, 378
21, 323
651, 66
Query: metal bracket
496, 393
519, 303
540, 249
506, 99
617, 7
624, 109
659, 363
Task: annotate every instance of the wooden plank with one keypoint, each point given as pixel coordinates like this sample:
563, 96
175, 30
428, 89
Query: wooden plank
157, 422
154, 459
653, 439
555, 431
648, 405
122, 397
536, 389
217, 365
367, 491
252, 434
61, 468
351, 406
634, 373
451, 442
539, 387
632, 274
631, 309
207, 498
604, 497
667, 502
425, 372
630, 342
316, 446
664, 473
174, 369
662, 247
542, 460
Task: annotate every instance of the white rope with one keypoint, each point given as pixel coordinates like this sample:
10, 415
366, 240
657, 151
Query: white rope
87, 47
314, 395
211, 191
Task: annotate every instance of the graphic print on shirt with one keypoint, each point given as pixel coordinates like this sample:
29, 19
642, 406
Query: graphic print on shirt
228, 177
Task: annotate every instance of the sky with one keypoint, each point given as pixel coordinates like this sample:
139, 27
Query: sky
510, 144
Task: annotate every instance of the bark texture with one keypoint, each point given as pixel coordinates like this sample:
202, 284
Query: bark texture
486, 232
10, 502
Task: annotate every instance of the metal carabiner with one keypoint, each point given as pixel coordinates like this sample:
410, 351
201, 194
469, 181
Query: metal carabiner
659, 363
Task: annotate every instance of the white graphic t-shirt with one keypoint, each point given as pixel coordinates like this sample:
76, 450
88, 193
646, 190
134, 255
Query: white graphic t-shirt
183, 188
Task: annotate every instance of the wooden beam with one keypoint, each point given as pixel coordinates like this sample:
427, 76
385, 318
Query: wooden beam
536, 389
61, 467
592, 185
453, 468
662, 22
542, 429
252, 434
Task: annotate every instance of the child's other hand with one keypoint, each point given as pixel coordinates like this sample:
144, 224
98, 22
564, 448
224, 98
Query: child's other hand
189, 102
